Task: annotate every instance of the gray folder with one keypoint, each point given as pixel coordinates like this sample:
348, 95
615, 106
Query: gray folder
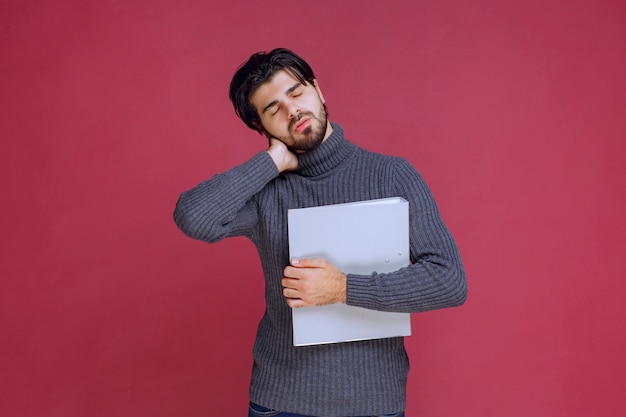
358, 238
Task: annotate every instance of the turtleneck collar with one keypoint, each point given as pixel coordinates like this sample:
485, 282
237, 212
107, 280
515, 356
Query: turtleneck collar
326, 156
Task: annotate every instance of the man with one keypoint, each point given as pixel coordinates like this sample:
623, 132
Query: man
309, 162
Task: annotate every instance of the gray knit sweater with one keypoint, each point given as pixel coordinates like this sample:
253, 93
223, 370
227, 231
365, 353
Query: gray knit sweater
252, 199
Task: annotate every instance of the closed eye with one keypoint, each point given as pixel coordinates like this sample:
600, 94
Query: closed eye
295, 90
271, 107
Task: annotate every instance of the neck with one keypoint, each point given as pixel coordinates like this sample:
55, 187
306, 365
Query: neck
329, 130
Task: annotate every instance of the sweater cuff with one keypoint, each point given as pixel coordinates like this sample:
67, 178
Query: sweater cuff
359, 291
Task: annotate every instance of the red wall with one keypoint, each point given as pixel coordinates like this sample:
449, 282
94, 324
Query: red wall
514, 112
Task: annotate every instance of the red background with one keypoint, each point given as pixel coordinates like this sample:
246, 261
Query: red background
514, 112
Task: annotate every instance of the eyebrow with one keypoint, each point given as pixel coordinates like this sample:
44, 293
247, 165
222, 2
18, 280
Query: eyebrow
275, 102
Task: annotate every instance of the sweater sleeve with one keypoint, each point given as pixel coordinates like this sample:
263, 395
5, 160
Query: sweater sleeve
223, 206
435, 278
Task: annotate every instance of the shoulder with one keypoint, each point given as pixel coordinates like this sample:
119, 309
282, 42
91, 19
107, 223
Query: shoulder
393, 162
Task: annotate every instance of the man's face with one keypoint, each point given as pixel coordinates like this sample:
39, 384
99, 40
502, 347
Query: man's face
292, 112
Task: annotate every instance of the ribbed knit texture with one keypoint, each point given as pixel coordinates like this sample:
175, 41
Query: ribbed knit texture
252, 199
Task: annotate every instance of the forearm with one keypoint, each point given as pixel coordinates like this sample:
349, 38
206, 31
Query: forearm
434, 281
436, 277
222, 206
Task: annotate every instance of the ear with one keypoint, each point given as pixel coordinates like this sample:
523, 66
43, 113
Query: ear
319, 92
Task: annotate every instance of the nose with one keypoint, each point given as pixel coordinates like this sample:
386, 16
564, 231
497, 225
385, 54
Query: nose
293, 109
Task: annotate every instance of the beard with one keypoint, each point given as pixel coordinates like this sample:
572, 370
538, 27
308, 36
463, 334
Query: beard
311, 137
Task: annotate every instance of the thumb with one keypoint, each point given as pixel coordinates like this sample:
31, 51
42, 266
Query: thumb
307, 263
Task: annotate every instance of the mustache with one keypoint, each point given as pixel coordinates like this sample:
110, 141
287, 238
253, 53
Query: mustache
297, 119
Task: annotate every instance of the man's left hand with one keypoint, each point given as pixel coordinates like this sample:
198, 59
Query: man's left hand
313, 282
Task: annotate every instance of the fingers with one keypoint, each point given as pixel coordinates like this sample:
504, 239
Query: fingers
292, 295
301, 267
295, 287
284, 159
290, 292
309, 282
295, 303
273, 141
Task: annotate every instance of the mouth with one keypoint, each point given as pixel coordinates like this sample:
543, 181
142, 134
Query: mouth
302, 124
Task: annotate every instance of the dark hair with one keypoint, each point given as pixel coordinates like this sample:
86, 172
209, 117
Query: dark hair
259, 69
